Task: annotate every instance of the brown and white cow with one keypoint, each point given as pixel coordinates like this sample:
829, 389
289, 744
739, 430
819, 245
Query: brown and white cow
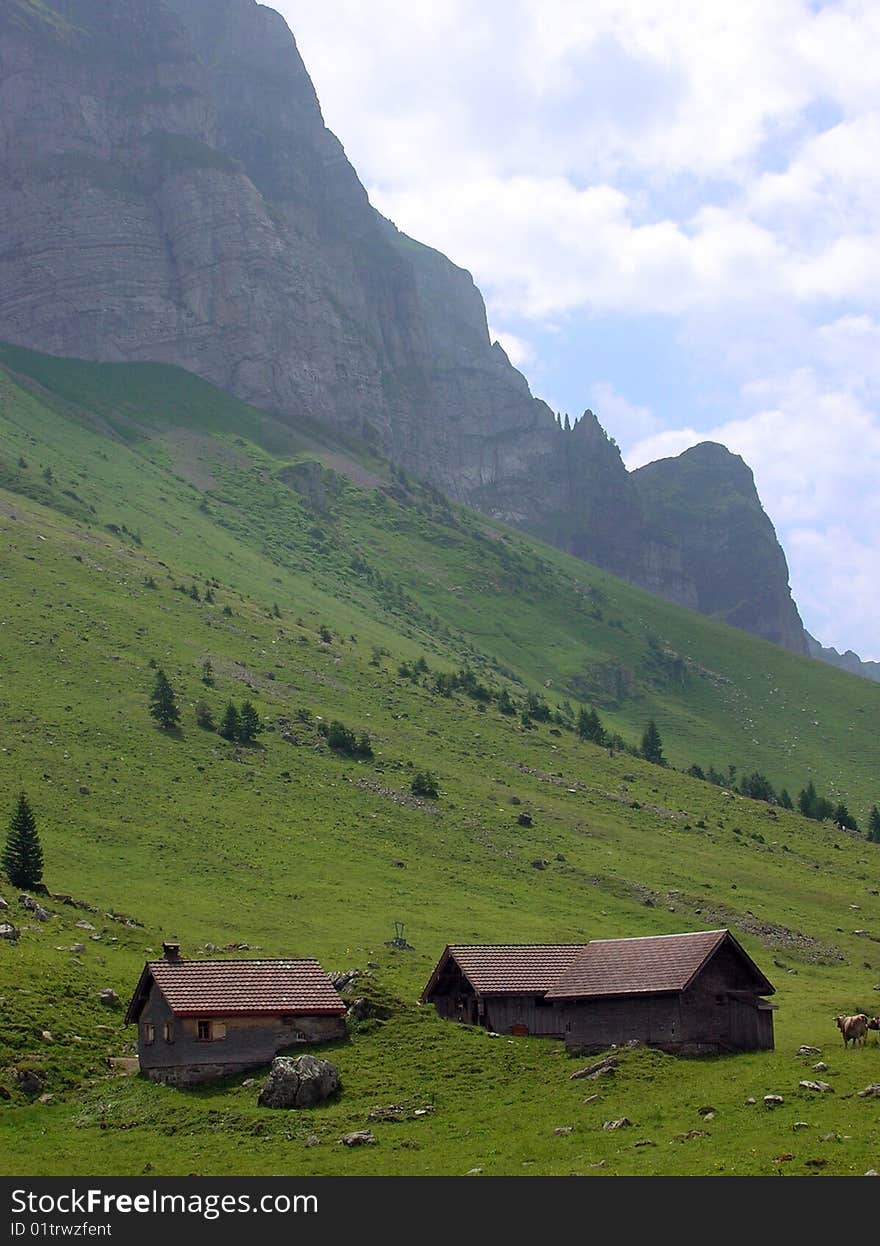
854, 1029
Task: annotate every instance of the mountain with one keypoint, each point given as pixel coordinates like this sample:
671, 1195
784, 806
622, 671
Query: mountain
170, 193
848, 661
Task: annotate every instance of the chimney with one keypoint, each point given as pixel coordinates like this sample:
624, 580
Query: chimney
171, 950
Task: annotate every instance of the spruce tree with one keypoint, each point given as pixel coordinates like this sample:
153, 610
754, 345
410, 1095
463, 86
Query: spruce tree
23, 856
248, 723
231, 724
652, 745
874, 825
589, 726
163, 706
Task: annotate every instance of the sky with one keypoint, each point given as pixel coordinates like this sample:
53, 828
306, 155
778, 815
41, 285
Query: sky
673, 214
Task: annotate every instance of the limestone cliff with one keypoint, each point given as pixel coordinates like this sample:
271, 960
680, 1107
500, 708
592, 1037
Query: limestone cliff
169, 192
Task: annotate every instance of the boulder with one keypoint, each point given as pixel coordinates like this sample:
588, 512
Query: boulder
28, 1082
822, 1087
4, 904
8, 931
361, 1137
298, 1082
773, 1101
808, 1051
29, 903
109, 998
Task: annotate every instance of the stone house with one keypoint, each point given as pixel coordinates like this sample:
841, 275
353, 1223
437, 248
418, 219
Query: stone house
691, 993
199, 1020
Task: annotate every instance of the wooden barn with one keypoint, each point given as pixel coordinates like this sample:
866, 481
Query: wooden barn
199, 1020
689, 993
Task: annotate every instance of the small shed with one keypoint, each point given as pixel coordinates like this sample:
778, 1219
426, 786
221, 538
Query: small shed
688, 993
199, 1020
501, 986
691, 993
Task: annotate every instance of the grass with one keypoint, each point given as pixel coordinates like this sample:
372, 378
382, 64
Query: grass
290, 848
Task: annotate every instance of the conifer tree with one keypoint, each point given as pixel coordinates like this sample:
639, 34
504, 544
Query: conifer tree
652, 745
231, 724
874, 825
22, 855
589, 726
163, 706
248, 723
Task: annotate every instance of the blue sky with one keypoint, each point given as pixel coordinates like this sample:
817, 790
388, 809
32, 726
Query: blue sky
672, 213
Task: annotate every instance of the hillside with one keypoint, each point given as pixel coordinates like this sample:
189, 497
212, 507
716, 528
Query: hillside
150, 521
170, 193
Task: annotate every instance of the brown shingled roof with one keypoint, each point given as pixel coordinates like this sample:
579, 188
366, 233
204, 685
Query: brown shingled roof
510, 968
652, 965
198, 988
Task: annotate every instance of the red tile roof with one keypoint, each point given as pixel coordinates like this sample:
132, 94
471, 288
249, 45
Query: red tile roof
196, 988
513, 969
656, 964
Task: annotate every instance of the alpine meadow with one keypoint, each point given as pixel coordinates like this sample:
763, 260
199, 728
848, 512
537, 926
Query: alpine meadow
323, 642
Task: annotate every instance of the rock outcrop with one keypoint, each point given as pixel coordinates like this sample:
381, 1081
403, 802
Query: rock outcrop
299, 1082
169, 192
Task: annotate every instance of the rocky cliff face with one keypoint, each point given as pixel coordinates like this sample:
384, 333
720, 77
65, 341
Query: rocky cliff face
170, 192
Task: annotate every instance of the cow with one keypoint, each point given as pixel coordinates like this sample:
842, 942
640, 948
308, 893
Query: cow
854, 1029
874, 1024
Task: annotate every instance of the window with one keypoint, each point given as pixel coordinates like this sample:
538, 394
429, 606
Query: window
168, 1031
210, 1031
148, 1031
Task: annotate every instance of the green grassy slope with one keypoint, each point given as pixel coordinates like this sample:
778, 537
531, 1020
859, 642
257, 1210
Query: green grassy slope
156, 483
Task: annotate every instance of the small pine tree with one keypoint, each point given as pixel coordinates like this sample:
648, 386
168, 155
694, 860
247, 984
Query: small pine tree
874, 825
23, 856
844, 819
249, 724
652, 745
425, 784
163, 706
207, 673
230, 726
589, 727
785, 800
204, 717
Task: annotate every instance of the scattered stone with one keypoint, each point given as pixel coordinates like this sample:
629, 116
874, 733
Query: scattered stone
705, 1110
360, 1137
784, 1158
473, 1172
773, 1101
104, 1029
525, 818
45, 1098
562, 1130
426, 1111
539, 864
873, 1089
750, 1101
361, 1009
644, 1142
298, 1082
372, 964
82, 924
83, 790
77, 947
801, 1125
821, 1087
821, 1067
608, 1065
343, 980
4, 1094
622, 1123
691, 1133
591, 1099
46, 1036
312, 1140
4, 904
872, 1172
109, 998
8, 931
808, 1051
28, 1082
709, 1116
830, 1137
249, 1081
29, 903
394, 1112
96, 938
